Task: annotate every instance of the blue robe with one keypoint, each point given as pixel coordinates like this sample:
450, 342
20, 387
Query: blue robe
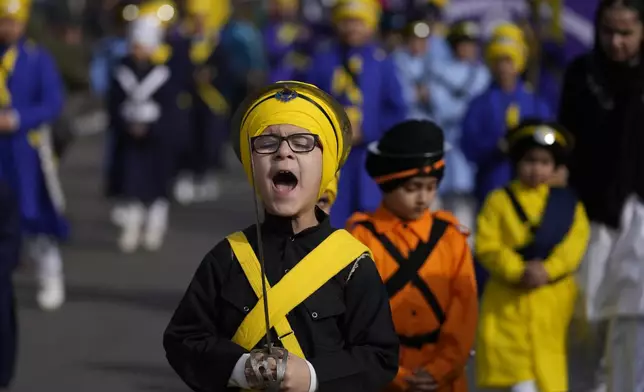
146, 165
484, 126
9, 258
288, 54
200, 149
452, 85
382, 107
109, 51
37, 98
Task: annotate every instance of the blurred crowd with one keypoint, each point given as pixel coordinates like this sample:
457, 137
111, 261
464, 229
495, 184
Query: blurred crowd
162, 80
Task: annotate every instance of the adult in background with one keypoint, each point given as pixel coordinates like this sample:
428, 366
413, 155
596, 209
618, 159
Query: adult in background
603, 106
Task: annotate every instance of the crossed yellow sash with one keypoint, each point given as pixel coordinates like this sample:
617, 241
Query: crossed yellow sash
200, 51
313, 271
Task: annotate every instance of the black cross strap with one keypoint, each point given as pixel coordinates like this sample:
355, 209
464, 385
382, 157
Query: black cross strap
408, 273
519, 210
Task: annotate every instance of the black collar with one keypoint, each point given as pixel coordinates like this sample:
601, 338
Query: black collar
279, 226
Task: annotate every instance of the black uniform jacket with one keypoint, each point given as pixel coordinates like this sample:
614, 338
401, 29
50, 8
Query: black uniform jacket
345, 328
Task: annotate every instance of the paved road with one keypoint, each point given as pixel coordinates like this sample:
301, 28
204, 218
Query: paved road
107, 337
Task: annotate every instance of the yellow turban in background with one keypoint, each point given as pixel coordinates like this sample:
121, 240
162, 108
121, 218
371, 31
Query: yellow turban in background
508, 40
439, 3
304, 106
15, 9
366, 10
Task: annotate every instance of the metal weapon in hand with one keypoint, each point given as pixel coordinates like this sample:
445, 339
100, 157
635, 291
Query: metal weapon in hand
268, 365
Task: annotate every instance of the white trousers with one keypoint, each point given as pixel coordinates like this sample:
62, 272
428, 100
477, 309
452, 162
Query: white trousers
525, 386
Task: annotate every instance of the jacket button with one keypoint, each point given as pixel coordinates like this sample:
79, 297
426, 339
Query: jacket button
314, 315
286, 271
246, 308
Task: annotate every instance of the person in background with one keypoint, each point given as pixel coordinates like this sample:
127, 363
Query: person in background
453, 83
287, 41
431, 11
423, 258
30, 99
209, 109
360, 75
602, 106
242, 43
145, 120
9, 259
502, 106
412, 68
531, 237
109, 51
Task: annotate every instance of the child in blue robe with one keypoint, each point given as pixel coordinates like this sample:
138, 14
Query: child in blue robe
31, 97
362, 77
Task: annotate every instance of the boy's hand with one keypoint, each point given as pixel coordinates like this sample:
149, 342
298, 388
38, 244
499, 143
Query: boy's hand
535, 275
422, 381
298, 375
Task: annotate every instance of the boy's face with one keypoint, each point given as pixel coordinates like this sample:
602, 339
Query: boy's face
413, 198
536, 167
354, 31
467, 51
10, 30
504, 70
288, 181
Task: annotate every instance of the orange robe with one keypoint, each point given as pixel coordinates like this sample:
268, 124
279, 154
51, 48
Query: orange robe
433, 299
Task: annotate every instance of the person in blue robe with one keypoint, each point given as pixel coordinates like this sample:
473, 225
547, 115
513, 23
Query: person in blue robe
200, 157
502, 106
144, 110
453, 83
413, 70
287, 42
362, 77
9, 258
31, 97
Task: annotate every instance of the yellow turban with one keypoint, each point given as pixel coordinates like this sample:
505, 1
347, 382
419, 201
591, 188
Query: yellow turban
508, 40
366, 10
332, 189
15, 9
439, 3
304, 106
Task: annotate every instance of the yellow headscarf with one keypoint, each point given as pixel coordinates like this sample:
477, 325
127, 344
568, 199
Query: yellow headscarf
508, 40
366, 10
332, 189
15, 9
304, 106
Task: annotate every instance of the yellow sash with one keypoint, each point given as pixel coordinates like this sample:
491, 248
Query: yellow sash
317, 268
200, 51
512, 116
342, 83
7, 65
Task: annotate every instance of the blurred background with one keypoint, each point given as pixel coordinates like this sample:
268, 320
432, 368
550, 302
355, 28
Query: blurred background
107, 334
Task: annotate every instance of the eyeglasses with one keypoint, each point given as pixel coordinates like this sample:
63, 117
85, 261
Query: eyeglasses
298, 143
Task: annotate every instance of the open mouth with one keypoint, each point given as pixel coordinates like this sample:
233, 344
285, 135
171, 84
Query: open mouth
284, 181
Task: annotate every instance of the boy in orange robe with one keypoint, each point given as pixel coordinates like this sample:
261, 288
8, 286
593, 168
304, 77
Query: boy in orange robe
423, 258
